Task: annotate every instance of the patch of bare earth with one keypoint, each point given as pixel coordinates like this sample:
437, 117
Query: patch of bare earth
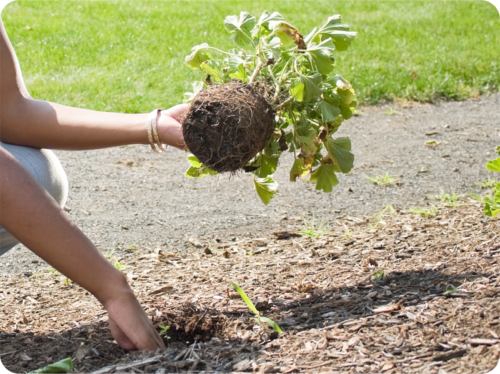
436, 306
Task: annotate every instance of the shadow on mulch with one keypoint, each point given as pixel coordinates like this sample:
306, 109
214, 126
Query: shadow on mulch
319, 309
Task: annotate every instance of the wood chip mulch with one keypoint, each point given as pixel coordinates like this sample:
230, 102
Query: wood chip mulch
399, 293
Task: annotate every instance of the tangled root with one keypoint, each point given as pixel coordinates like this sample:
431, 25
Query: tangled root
227, 125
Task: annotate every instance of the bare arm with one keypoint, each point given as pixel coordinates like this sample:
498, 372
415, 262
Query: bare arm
31, 215
34, 218
42, 124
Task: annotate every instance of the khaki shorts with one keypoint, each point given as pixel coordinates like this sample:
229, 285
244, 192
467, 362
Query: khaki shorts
45, 167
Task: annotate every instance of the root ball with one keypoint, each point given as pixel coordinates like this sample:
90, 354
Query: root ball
227, 125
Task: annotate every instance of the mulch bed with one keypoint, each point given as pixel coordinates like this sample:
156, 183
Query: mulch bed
398, 293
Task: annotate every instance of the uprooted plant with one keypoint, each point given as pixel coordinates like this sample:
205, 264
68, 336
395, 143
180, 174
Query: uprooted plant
277, 92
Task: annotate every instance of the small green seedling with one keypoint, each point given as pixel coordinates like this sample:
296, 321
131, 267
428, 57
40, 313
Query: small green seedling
132, 247
118, 265
378, 219
391, 111
53, 272
379, 274
254, 310
348, 234
430, 212
385, 180
164, 330
489, 183
109, 253
446, 199
450, 290
312, 230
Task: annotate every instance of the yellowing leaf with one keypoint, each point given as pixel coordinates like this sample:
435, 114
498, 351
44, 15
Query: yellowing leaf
298, 169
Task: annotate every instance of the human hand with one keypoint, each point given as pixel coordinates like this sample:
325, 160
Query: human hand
130, 326
169, 127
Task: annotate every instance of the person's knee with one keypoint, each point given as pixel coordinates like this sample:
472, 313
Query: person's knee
45, 167
57, 182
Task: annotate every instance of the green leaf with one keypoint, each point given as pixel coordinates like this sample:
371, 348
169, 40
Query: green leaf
491, 207
325, 178
273, 49
266, 188
268, 160
63, 366
240, 74
342, 39
197, 56
322, 58
245, 298
339, 151
213, 68
197, 169
271, 323
234, 63
494, 165
264, 20
305, 87
306, 136
193, 160
240, 27
298, 169
347, 110
329, 111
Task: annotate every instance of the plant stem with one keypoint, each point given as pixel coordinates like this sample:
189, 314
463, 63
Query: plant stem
259, 66
284, 103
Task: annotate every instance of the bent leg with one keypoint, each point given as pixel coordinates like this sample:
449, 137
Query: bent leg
44, 166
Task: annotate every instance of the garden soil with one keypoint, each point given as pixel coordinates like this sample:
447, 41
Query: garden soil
374, 290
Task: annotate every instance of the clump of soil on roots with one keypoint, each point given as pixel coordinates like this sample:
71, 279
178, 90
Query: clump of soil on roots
227, 125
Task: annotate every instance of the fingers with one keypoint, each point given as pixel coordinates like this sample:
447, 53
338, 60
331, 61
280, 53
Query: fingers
170, 130
130, 326
120, 337
177, 111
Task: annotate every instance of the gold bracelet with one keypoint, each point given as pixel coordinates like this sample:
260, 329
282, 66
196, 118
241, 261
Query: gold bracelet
156, 137
151, 118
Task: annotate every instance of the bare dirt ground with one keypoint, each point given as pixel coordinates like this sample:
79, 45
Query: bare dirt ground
394, 293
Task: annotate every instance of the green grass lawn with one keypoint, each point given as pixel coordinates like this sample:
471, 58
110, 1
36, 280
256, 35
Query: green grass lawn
129, 55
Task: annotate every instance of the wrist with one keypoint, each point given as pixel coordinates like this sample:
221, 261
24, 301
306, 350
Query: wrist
114, 287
